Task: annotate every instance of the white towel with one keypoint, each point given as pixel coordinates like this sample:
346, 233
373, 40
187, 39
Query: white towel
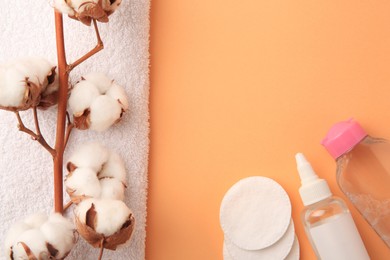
26, 175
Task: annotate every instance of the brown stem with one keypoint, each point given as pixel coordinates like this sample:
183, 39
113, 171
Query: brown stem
35, 136
69, 128
99, 46
62, 135
67, 205
101, 249
37, 128
61, 113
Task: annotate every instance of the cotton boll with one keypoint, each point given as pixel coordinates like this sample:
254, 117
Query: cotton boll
36, 220
92, 155
83, 182
114, 167
35, 240
111, 215
112, 189
59, 232
13, 233
118, 93
63, 7
82, 96
100, 80
105, 111
12, 88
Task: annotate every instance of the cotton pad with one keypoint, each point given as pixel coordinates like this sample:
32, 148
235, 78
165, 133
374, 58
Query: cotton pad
278, 250
255, 213
294, 253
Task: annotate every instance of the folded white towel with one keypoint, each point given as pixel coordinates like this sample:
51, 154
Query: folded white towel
26, 181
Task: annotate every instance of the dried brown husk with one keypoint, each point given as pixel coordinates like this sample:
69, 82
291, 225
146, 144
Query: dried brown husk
91, 11
87, 231
82, 121
49, 98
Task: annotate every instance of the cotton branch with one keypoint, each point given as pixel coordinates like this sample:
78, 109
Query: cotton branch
99, 46
35, 136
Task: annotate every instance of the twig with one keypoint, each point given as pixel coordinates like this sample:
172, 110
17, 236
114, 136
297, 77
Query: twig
68, 129
37, 128
101, 249
67, 205
37, 137
99, 46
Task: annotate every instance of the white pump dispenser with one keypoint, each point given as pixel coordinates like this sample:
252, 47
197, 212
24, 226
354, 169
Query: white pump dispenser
327, 220
313, 189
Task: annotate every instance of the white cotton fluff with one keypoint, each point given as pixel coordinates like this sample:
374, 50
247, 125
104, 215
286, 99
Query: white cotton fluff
36, 67
92, 155
12, 235
12, 88
83, 181
114, 167
112, 189
82, 96
111, 214
100, 80
105, 111
118, 93
35, 240
63, 7
59, 232
36, 220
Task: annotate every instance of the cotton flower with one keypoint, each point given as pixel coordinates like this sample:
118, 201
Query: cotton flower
97, 102
90, 155
95, 172
40, 237
85, 10
27, 82
104, 222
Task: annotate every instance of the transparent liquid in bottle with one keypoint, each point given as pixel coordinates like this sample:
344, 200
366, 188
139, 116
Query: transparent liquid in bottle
363, 174
332, 232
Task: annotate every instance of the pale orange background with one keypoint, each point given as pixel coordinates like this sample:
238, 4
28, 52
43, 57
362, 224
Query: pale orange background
237, 88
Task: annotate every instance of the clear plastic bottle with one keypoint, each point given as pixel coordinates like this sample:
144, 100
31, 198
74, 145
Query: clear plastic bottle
363, 172
327, 220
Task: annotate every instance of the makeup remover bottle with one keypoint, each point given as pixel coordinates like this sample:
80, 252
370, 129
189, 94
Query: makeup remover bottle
363, 172
327, 220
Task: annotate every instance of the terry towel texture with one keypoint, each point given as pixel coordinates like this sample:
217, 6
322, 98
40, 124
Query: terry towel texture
26, 179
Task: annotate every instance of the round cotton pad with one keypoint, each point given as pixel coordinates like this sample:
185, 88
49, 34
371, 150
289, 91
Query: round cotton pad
226, 255
278, 250
294, 253
255, 213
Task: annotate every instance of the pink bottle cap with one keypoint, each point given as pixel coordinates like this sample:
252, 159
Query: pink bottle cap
342, 137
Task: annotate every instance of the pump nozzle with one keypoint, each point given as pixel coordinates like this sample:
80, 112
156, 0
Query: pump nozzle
313, 189
306, 172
